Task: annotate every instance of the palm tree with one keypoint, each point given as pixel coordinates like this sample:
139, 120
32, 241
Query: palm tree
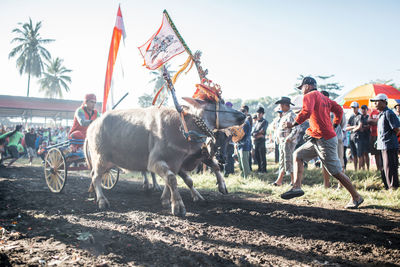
158, 81
54, 79
145, 100
29, 50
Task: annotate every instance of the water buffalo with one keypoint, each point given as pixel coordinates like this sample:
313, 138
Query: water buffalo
151, 139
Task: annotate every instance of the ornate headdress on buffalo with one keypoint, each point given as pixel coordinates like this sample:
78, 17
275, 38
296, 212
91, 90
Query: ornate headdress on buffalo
208, 91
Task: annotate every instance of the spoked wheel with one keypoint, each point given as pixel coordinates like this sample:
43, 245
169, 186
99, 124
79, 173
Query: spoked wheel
110, 178
55, 170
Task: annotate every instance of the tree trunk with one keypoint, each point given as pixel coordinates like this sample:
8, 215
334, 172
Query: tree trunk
29, 81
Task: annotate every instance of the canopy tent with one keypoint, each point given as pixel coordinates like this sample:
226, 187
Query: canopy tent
33, 107
362, 94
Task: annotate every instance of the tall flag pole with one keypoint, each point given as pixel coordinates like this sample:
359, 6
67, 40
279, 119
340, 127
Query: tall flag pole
118, 32
193, 58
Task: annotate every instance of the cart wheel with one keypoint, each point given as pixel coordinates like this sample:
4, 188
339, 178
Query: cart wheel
55, 170
110, 178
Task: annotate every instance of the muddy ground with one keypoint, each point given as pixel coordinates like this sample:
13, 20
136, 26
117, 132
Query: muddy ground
42, 228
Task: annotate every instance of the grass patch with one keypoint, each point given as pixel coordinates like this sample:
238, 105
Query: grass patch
368, 184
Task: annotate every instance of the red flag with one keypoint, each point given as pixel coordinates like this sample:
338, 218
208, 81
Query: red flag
119, 30
161, 47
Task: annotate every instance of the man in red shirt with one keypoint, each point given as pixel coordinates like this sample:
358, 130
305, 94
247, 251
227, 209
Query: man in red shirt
84, 115
321, 140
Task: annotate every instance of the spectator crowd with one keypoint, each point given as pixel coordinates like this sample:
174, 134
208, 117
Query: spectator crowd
366, 132
29, 142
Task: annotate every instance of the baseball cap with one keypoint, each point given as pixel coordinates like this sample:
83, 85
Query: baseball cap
354, 104
379, 97
364, 107
260, 110
308, 80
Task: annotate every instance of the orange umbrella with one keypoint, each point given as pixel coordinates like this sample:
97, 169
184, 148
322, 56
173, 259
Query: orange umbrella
362, 94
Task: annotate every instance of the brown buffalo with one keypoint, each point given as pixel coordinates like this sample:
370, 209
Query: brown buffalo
151, 139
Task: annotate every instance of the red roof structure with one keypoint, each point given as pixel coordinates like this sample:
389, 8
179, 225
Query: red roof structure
28, 107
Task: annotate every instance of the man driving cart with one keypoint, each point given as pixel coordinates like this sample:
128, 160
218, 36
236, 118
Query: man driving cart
84, 115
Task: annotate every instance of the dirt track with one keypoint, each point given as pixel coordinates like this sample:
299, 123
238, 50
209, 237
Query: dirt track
43, 228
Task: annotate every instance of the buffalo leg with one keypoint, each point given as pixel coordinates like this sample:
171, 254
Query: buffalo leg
156, 186
162, 169
99, 167
166, 198
189, 182
146, 184
96, 182
220, 180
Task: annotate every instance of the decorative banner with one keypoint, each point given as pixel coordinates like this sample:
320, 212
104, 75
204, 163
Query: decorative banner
119, 30
161, 47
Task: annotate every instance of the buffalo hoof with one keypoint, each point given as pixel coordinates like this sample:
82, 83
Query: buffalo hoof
196, 196
103, 204
178, 209
222, 188
146, 186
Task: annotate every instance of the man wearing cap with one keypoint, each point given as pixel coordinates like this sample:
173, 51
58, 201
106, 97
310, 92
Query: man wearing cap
286, 139
84, 115
388, 130
259, 131
321, 141
355, 142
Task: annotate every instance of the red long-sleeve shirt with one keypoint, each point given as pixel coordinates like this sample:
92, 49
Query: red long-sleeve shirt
318, 108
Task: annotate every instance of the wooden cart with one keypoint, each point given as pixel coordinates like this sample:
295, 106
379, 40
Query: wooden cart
59, 160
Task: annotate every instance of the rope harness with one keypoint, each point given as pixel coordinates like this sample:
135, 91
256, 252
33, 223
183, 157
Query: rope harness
203, 92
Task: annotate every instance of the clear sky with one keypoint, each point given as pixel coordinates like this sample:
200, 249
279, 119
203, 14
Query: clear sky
251, 48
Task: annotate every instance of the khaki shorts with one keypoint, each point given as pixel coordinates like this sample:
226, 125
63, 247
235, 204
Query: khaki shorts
326, 150
286, 150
